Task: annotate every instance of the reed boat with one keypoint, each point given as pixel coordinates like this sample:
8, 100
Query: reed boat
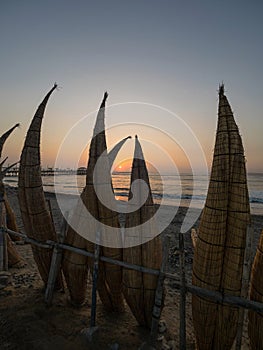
139, 288
10, 216
221, 240
34, 211
9, 220
104, 220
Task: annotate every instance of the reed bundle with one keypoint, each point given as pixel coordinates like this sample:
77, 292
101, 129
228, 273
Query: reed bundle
34, 211
139, 288
9, 217
110, 276
75, 267
255, 324
11, 220
5, 136
219, 251
13, 258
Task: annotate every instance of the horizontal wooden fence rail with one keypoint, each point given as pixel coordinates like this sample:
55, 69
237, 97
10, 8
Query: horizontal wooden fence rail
202, 292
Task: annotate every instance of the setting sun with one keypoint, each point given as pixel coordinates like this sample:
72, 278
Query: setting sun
123, 167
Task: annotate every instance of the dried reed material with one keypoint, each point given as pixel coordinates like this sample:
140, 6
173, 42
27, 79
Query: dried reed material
220, 246
194, 236
34, 211
255, 325
10, 216
115, 150
139, 288
11, 222
3, 243
5, 136
14, 259
75, 266
110, 276
13, 256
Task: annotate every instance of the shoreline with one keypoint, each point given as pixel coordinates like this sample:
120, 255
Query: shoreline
256, 218
173, 199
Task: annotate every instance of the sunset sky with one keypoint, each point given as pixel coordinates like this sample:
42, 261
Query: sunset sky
160, 61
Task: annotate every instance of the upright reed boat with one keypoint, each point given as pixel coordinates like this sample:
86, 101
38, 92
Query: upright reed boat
10, 215
139, 288
220, 245
34, 211
105, 219
7, 218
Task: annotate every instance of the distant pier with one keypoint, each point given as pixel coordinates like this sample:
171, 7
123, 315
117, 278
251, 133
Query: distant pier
51, 172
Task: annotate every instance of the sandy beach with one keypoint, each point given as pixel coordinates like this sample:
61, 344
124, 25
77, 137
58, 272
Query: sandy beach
27, 323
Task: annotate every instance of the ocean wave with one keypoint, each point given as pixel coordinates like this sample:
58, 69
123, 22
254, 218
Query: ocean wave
159, 196
122, 189
67, 184
256, 200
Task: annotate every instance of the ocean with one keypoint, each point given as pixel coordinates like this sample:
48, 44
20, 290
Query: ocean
170, 189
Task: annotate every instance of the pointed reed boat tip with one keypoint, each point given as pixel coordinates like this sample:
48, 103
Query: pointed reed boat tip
5, 136
136, 137
45, 100
104, 99
221, 89
55, 87
113, 153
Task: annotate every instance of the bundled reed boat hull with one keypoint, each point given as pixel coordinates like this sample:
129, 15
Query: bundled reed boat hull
75, 268
219, 251
110, 276
139, 288
34, 211
255, 324
13, 257
9, 217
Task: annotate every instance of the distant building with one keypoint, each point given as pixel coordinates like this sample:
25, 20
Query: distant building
81, 171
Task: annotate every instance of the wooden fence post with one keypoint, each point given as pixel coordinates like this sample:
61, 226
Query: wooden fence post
3, 240
182, 293
2, 248
55, 265
158, 302
94, 286
88, 332
245, 284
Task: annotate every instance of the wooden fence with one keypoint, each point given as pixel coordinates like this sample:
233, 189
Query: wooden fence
181, 285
